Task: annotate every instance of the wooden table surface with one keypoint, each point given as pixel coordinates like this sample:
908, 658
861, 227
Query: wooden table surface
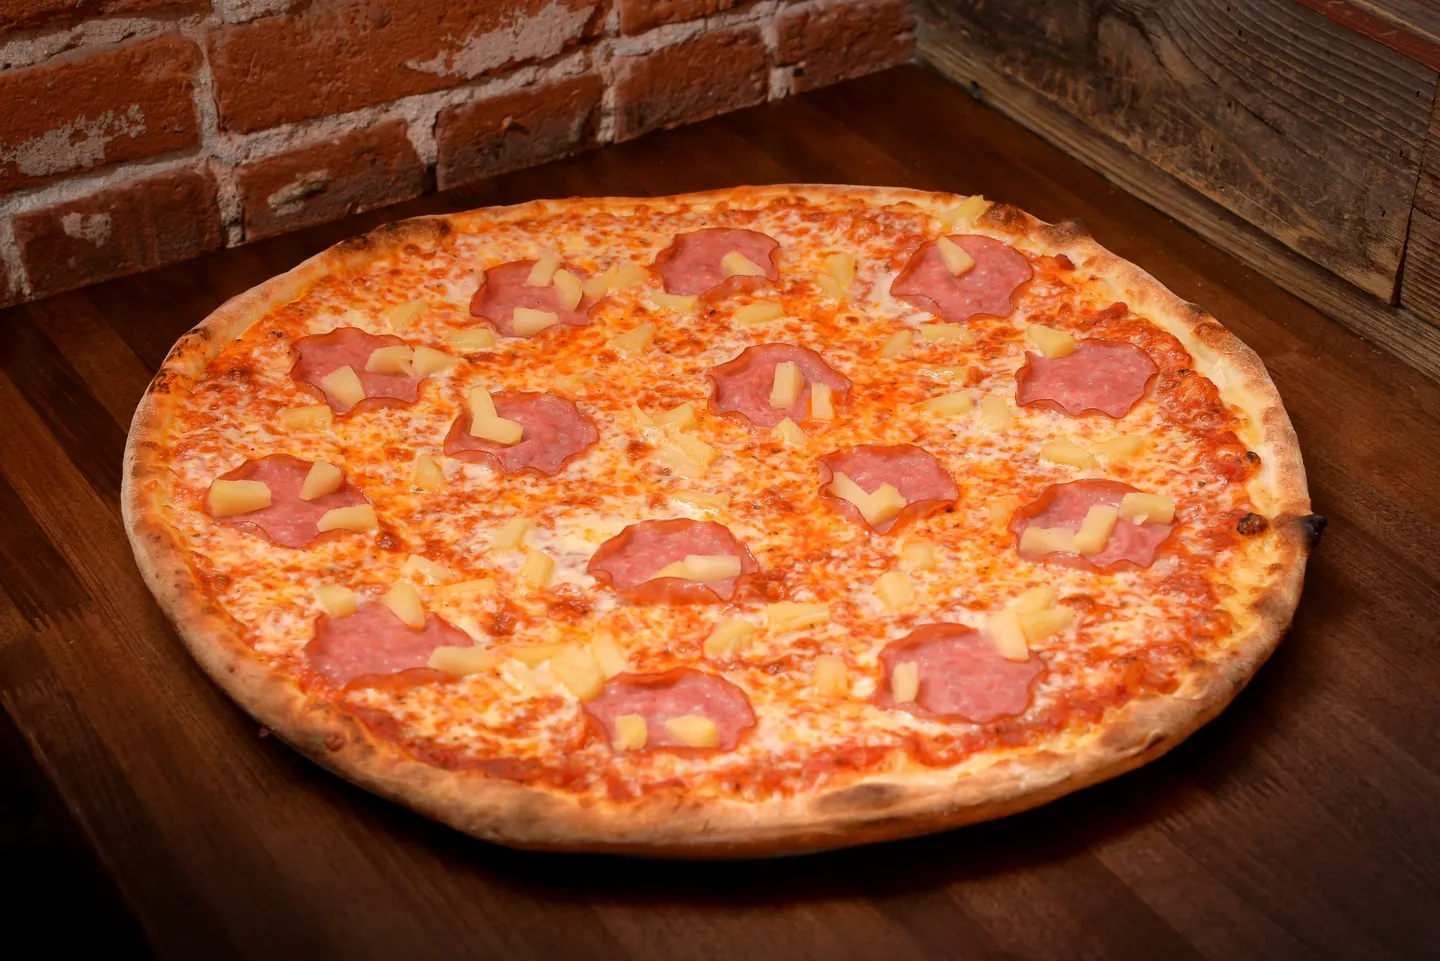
1304, 822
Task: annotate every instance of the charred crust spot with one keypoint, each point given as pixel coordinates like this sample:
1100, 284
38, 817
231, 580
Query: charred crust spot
1252, 524
1252, 458
863, 797
1063, 262
334, 741
1314, 526
1006, 217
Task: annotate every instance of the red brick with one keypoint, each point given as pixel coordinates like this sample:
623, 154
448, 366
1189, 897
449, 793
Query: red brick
349, 173
489, 137
17, 14
637, 16
120, 230
713, 73
336, 57
76, 114
831, 41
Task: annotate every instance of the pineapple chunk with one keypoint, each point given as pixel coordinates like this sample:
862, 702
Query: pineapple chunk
533, 655
898, 344
1038, 625
729, 637
497, 430
598, 285
918, 556
528, 321
790, 616
841, 267
675, 303
543, 272
1139, 508
643, 421
511, 534
789, 432
895, 591
429, 571
687, 456
537, 569
678, 418
701, 500
954, 403
404, 602
703, 568
936, 333
359, 518
633, 341
230, 497
338, 601
905, 682
476, 338
427, 474
1123, 448
523, 679
461, 661
627, 275
465, 590
401, 316
967, 210
822, 402
788, 383
323, 478
1003, 628
390, 360
693, 730
631, 733
1048, 540
1094, 532
568, 289
1050, 342
428, 361
736, 264
759, 312
310, 417
831, 288
608, 655
957, 261
876, 507
480, 404
1035, 599
830, 676
578, 672
1068, 453
344, 385
995, 413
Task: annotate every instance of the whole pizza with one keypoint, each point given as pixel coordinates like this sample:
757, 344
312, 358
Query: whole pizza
759, 520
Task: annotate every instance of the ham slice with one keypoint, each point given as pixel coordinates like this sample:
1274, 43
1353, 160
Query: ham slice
504, 288
962, 675
926, 486
321, 354
691, 264
675, 693
629, 561
372, 646
288, 521
742, 386
1130, 545
554, 433
987, 288
1107, 376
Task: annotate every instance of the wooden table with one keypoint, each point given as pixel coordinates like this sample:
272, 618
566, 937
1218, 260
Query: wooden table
1303, 822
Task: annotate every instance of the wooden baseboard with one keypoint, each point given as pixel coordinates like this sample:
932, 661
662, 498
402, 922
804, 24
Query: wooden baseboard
1397, 330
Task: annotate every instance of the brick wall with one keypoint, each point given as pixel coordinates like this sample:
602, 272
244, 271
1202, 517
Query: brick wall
141, 132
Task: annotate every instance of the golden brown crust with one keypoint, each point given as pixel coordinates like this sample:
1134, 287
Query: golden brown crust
874, 809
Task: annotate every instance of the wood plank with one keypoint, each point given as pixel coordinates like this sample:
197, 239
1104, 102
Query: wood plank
1409, 27
1287, 120
1420, 285
1397, 330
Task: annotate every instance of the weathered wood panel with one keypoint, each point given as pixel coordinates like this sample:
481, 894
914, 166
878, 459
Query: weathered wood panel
1410, 26
1420, 281
1277, 114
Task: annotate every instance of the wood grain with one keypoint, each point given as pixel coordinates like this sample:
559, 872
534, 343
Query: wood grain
1287, 120
1420, 281
1409, 27
1300, 824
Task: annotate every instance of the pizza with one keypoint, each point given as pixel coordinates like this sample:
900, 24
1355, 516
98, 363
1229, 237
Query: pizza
759, 520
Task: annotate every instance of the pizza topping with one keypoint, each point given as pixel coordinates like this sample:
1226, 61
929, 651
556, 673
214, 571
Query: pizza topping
748, 385
631, 733
309, 417
227, 498
957, 261
461, 661
986, 287
696, 264
758, 312
538, 568
968, 210
958, 674
995, 414
830, 676
939, 333
338, 601
465, 591
736, 264
285, 519
728, 638
918, 556
427, 361
477, 338
429, 572
897, 344
1139, 508
1064, 509
953, 404
675, 303
913, 473
553, 431
786, 616
633, 341
542, 272
1108, 376
336, 365
640, 562
404, 602
1050, 342
427, 475
323, 478
519, 308
1004, 630
394, 359
578, 671
1068, 453
895, 591
687, 456
788, 432
822, 401
401, 316
608, 655
1124, 448
357, 519
1095, 529
373, 642
680, 708
511, 534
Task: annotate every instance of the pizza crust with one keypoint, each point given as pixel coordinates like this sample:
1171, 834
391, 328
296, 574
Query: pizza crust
877, 808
